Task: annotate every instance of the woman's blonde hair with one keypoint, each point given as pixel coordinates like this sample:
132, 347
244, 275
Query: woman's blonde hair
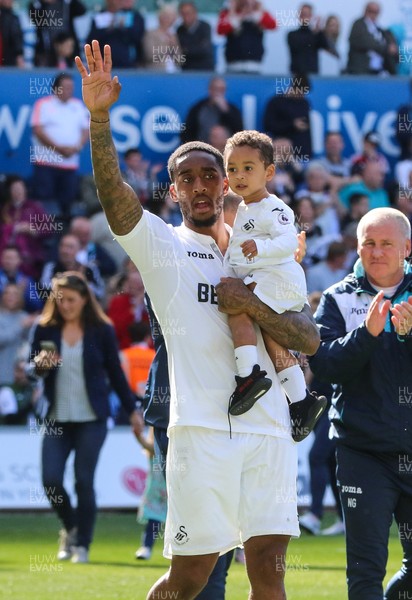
92, 314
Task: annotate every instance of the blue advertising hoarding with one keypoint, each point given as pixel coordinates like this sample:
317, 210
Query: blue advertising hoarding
152, 108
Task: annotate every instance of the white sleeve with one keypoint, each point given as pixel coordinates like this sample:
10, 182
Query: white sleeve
283, 238
159, 255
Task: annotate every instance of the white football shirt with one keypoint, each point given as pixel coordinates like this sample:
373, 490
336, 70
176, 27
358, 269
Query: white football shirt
180, 268
270, 223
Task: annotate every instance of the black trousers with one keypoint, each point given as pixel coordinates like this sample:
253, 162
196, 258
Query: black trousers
86, 441
374, 489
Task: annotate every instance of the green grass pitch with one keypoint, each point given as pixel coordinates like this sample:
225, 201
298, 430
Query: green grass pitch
30, 571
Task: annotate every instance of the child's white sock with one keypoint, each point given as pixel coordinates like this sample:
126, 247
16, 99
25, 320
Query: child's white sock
246, 359
293, 383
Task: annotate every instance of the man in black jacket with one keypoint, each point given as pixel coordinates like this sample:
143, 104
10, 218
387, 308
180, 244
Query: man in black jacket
287, 115
213, 110
195, 39
371, 49
365, 324
123, 29
304, 43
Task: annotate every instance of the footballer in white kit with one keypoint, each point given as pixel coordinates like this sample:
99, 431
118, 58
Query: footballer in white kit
180, 269
222, 489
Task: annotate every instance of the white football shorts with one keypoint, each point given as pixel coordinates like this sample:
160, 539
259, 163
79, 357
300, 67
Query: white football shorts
283, 287
223, 491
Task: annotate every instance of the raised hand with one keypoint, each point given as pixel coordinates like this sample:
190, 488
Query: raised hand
377, 313
99, 90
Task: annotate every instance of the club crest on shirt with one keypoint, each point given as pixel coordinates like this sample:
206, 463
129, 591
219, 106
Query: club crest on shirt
249, 225
181, 536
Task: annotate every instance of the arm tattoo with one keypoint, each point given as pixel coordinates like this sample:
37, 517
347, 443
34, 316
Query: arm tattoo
292, 330
119, 201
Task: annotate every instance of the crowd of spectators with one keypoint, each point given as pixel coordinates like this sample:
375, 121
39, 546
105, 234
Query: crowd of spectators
183, 41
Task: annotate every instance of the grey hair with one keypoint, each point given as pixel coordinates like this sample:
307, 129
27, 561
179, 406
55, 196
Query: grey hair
380, 215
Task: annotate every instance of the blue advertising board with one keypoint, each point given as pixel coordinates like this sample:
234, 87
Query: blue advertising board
152, 108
